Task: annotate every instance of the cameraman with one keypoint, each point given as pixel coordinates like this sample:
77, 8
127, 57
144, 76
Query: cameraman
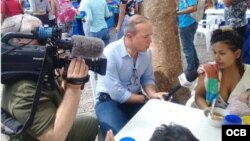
55, 118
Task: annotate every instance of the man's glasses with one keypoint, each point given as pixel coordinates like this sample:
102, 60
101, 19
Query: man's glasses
135, 79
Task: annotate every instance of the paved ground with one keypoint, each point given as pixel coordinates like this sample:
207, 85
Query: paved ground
87, 104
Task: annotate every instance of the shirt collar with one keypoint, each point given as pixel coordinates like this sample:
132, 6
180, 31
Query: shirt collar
123, 50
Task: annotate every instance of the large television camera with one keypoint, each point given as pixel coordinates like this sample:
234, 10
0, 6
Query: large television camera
25, 62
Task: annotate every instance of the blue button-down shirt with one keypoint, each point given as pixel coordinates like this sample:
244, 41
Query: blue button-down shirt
123, 76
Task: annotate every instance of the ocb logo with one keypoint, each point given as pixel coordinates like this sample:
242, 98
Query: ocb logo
236, 132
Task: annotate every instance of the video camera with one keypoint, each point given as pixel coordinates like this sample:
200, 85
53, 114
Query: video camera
25, 62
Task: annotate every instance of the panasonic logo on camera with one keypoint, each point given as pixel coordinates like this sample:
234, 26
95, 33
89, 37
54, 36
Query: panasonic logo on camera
37, 59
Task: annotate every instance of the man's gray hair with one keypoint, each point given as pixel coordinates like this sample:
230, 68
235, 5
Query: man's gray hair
20, 23
132, 22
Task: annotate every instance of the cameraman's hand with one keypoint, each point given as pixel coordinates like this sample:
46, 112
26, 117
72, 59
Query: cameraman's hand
77, 69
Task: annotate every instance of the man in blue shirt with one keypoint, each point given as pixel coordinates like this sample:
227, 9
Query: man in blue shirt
129, 79
187, 28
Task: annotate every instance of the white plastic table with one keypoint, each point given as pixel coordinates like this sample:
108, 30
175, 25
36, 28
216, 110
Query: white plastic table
157, 112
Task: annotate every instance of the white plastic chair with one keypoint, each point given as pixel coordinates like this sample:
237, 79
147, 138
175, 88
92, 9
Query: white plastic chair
93, 82
206, 31
191, 101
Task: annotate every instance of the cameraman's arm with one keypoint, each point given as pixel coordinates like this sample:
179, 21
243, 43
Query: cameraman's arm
67, 110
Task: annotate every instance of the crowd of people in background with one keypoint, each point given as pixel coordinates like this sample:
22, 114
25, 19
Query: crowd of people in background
60, 12
77, 16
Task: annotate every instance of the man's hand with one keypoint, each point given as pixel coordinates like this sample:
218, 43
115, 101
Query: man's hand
117, 28
110, 136
160, 95
77, 69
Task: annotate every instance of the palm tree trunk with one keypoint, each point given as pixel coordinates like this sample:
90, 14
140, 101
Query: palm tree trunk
167, 62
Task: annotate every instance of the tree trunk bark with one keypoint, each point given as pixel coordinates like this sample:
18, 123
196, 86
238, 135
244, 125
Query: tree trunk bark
165, 47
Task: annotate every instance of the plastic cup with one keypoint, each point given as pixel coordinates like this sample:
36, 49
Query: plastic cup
246, 120
127, 139
232, 120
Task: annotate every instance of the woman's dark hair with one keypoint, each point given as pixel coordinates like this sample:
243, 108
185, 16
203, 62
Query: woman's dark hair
233, 39
172, 132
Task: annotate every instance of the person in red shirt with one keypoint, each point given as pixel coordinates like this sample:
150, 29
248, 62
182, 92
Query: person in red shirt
10, 8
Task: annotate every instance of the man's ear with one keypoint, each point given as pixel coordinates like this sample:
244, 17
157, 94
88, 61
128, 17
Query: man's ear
129, 35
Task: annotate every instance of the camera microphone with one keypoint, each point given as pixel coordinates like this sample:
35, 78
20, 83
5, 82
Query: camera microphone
89, 48
26, 62
86, 47
185, 80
